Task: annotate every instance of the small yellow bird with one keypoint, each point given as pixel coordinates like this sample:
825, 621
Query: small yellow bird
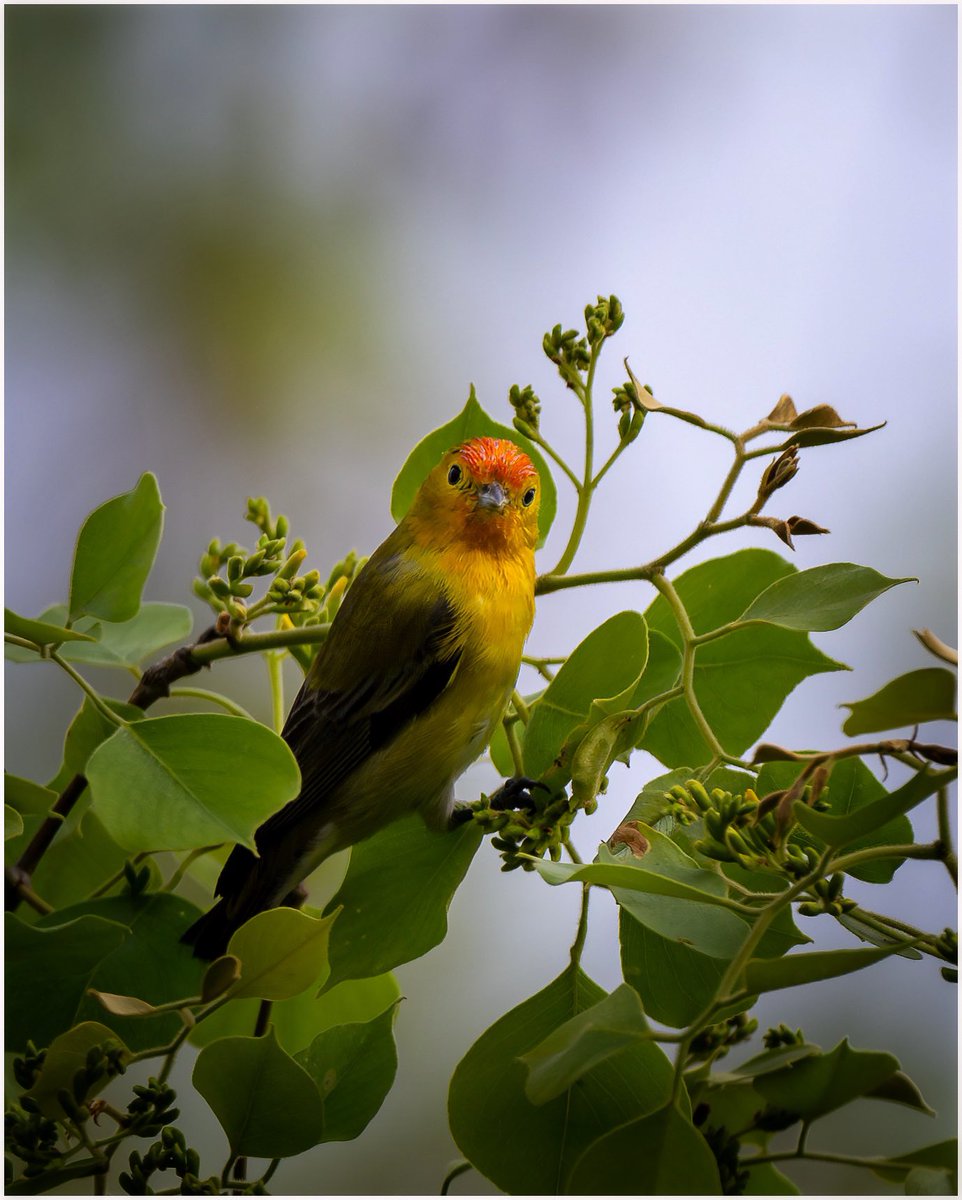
408, 687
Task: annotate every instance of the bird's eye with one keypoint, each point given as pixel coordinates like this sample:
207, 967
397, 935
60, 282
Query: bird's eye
454, 475
528, 497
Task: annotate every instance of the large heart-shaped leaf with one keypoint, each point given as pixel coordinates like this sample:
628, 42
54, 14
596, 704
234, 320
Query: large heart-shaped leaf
181, 782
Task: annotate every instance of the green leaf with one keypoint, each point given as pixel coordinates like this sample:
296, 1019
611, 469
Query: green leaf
630, 879
150, 962
774, 1060
821, 1083
717, 932
171, 783
282, 952
82, 856
12, 823
661, 1154
925, 695
767, 1180
126, 644
53, 969
871, 818
267, 1104
395, 896
772, 974
941, 1156
471, 422
924, 1181
298, 1021
899, 1089
123, 1006
220, 977
571, 1050
821, 598
530, 1149
868, 933
41, 633
740, 681
353, 1067
674, 982
66, 1055
607, 663
85, 732
115, 551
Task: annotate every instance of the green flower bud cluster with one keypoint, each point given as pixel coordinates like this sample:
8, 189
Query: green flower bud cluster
26, 1067
782, 1036
829, 898
151, 1108
102, 1062
527, 409
734, 832
541, 832
740, 828
631, 412
31, 1136
726, 1148
947, 944
291, 592
239, 565
716, 1040
603, 319
799, 860
170, 1153
568, 352
226, 572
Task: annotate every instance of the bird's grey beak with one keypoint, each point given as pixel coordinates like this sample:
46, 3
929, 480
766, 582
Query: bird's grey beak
492, 496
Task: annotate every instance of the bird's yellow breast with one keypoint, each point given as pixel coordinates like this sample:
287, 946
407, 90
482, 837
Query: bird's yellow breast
494, 609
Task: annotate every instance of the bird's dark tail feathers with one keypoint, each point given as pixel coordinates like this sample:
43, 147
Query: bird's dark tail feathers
210, 934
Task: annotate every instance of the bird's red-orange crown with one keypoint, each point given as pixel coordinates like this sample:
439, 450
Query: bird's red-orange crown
495, 458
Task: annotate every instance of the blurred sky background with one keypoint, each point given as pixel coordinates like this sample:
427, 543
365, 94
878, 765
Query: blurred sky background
264, 250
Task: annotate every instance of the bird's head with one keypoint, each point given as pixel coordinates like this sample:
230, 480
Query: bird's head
485, 491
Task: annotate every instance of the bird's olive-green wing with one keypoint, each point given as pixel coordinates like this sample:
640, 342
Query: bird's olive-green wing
392, 651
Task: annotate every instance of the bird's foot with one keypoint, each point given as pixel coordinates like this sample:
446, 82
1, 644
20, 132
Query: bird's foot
515, 793
460, 815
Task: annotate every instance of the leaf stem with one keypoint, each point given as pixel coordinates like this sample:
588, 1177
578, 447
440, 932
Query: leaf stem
514, 745
95, 698
26, 892
910, 850
578, 944
586, 487
723, 994
729, 482
184, 866
457, 1169
683, 621
196, 693
275, 659
520, 707
538, 440
117, 876
949, 856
